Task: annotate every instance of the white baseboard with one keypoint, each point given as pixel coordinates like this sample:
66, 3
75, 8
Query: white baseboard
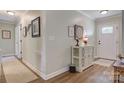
43, 75
95, 57
7, 55
56, 73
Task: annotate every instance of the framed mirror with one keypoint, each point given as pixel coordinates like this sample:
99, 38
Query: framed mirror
78, 33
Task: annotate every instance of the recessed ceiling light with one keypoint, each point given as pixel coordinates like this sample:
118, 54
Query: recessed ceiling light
10, 13
103, 12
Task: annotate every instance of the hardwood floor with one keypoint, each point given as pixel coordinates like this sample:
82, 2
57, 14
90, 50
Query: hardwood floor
94, 74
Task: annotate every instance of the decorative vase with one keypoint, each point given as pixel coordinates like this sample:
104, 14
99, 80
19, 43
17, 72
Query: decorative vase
85, 42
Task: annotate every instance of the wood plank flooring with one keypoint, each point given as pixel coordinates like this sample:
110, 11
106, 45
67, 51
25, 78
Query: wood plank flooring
94, 74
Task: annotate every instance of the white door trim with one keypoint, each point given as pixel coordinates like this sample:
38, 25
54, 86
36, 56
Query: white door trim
18, 42
116, 27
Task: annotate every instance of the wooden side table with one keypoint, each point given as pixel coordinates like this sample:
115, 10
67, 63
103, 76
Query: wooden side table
118, 70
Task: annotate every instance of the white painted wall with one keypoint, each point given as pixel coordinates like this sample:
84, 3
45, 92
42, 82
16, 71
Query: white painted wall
7, 45
31, 47
52, 51
122, 32
116, 20
58, 44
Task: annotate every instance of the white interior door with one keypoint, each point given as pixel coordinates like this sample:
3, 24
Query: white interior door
107, 42
18, 42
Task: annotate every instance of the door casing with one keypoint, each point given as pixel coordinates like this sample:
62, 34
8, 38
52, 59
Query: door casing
116, 36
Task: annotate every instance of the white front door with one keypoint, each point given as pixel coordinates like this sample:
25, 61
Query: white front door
107, 41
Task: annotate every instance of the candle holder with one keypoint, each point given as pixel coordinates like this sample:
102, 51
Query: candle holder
77, 42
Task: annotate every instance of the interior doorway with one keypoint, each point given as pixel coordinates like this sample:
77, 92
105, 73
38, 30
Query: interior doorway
18, 42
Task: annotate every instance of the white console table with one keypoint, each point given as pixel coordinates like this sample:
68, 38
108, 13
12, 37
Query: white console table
82, 57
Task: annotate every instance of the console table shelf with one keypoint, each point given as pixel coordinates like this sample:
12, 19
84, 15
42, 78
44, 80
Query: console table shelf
82, 57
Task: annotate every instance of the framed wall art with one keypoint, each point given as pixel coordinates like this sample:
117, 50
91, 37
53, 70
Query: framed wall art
78, 31
70, 31
35, 27
6, 34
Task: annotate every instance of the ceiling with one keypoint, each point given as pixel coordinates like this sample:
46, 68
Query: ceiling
8, 18
94, 14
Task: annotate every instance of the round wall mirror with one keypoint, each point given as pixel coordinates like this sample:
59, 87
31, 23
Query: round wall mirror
78, 33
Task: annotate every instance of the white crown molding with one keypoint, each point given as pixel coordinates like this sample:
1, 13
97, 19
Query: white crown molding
90, 16
109, 17
83, 13
8, 22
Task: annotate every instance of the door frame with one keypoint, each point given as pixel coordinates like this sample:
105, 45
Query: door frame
18, 28
117, 34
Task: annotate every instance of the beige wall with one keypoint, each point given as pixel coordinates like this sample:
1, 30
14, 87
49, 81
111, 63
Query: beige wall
7, 45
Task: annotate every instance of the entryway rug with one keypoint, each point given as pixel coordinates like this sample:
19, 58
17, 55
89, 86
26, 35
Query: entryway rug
16, 72
104, 62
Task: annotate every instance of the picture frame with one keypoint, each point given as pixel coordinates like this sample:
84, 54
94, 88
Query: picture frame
78, 31
35, 27
70, 31
6, 34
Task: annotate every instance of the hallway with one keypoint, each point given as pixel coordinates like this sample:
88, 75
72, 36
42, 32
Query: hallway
45, 42
51, 46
